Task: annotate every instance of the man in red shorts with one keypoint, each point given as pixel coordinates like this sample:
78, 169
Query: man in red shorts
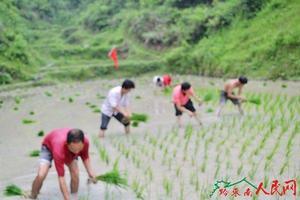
63, 146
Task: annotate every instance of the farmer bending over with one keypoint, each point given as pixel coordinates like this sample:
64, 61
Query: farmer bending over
228, 93
182, 102
63, 146
116, 105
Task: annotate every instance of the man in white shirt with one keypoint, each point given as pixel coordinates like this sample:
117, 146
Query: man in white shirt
116, 105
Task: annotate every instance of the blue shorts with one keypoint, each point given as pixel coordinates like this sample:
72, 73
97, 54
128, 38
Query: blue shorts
45, 156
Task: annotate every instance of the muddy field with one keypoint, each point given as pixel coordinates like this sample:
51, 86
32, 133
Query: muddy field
160, 160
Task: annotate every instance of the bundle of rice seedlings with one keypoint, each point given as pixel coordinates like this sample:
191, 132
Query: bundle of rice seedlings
17, 100
97, 110
28, 121
208, 97
13, 190
48, 94
92, 106
135, 123
254, 101
41, 133
139, 117
34, 153
210, 110
114, 178
167, 91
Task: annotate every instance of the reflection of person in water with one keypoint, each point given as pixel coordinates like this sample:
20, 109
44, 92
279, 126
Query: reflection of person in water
63, 146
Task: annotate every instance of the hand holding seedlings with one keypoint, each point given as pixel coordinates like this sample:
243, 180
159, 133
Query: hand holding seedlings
92, 180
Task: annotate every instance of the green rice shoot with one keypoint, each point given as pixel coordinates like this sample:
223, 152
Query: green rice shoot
113, 178
34, 153
208, 97
254, 100
97, 110
13, 190
167, 91
135, 124
140, 117
41, 133
28, 121
210, 110
48, 94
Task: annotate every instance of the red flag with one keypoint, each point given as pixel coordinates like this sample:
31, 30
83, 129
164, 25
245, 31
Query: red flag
113, 54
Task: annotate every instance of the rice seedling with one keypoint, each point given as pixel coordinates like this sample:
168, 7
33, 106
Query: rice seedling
138, 97
167, 185
41, 133
139, 117
254, 100
48, 94
135, 124
71, 100
34, 153
17, 100
113, 177
181, 196
209, 110
138, 189
13, 190
167, 91
211, 83
16, 108
208, 97
240, 169
178, 171
31, 113
97, 110
284, 86
28, 121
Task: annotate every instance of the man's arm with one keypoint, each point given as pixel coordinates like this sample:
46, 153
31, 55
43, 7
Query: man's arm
183, 109
63, 187
230, 95
89, 170
199, 101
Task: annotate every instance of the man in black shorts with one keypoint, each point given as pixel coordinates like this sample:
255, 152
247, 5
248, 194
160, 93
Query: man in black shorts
182, 102
116, 105
228, 93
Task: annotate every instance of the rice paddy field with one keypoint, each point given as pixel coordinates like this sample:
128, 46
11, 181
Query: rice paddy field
158, 159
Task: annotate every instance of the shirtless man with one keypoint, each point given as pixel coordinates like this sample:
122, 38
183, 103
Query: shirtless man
228, 93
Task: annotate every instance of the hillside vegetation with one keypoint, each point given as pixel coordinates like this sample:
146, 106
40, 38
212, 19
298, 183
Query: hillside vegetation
70, 39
